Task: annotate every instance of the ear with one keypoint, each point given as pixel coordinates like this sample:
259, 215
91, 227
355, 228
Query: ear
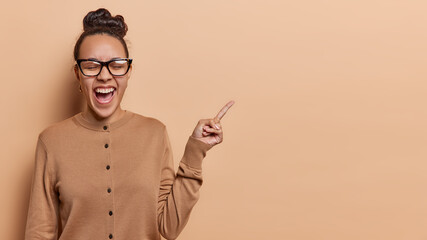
130, 70
76, 72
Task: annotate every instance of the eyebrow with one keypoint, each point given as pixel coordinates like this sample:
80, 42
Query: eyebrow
95, 59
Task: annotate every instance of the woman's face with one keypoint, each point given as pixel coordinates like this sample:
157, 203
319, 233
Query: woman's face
102, 47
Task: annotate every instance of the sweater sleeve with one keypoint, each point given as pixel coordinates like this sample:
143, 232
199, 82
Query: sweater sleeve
43, 214
180, 192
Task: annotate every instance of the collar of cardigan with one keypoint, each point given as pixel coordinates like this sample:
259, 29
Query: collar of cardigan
100, 126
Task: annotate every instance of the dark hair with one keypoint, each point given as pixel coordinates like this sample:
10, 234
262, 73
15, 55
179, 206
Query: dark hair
101, 22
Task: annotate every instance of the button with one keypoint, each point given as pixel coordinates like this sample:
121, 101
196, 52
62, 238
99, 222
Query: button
105, 127
106, 145
111, 213
108, 167
111, 236
109, 190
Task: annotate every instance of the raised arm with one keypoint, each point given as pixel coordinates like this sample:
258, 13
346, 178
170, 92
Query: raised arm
179, 194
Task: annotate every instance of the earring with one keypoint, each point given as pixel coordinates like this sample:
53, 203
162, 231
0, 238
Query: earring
80, 90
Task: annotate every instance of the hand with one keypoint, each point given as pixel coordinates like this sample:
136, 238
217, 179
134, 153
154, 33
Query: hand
209, 130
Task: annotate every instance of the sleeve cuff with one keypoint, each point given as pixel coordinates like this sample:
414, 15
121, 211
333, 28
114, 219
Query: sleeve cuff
195, 151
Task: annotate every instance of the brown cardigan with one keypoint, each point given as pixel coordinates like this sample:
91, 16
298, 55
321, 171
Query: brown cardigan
114, 181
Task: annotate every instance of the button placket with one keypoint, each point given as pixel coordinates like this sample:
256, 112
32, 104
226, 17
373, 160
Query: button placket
107, 147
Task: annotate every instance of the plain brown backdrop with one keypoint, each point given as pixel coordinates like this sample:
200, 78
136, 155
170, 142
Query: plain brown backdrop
327, 136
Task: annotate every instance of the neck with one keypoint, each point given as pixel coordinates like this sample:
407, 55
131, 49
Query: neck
92, 116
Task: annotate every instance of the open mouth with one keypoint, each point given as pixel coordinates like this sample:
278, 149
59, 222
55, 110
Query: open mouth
104, 95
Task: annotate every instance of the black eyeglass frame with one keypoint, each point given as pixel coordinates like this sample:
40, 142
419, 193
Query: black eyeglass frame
129, 60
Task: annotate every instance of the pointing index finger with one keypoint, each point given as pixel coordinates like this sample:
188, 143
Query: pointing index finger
224, 110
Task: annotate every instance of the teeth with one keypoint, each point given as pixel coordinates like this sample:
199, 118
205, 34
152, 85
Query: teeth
104, 90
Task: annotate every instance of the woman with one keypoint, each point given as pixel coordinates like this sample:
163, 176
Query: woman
108, 173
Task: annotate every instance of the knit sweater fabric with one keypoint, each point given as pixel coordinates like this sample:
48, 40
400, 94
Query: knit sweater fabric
95, 181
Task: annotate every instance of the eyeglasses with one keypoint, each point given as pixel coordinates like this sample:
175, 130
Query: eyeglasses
117, 67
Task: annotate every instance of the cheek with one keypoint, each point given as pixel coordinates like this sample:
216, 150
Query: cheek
122, 85
87, 85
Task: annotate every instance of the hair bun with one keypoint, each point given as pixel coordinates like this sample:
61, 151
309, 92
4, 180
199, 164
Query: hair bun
102, 19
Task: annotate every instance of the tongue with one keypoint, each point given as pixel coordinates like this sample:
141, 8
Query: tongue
104, 96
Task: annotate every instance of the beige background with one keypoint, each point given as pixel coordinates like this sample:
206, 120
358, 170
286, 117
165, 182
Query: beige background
326, 140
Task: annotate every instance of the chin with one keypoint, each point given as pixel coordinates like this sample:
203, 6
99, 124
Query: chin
103, 111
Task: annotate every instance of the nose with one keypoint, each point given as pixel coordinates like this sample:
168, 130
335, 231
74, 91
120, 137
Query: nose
104, 75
